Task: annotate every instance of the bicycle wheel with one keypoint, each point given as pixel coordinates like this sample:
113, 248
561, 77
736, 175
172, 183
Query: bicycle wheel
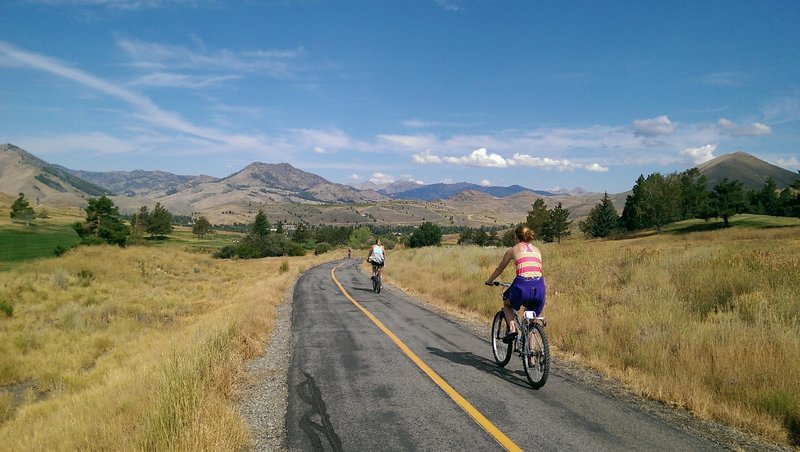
536, 356
376, 284
500, 350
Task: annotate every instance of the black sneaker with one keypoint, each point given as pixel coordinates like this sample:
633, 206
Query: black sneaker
509, 338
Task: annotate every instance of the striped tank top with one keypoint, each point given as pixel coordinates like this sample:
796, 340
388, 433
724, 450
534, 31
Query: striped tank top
528, 262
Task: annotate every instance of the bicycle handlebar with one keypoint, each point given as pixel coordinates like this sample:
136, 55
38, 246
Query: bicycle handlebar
498, 283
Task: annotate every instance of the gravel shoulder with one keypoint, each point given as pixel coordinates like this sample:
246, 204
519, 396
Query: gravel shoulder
264, 402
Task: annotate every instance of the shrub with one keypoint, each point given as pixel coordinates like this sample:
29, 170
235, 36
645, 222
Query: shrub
59, 250
226, 252
322, 248
85, 277
296, 249
284, 266
7, 308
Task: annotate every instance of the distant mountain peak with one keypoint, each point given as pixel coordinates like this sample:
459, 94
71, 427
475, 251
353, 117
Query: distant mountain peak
751, 171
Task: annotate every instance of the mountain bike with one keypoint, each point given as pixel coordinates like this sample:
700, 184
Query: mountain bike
531, 343
376, 280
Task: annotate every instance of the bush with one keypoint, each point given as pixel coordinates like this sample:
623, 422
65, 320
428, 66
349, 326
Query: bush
296, 249
322, 248
7, 308
59, 250
226, 252
85, 277
428, 234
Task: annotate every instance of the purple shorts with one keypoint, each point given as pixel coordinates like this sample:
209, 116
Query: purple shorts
526, 291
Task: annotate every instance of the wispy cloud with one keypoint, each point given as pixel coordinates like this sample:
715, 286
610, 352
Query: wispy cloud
129, 4
723, 79
168, 80
422, 124
158, 57
755, 129
143, 108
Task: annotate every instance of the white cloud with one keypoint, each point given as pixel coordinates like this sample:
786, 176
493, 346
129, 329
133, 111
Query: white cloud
426, 157
480, 158
381, 178
701, 154
319, 150
596, 168
660, 125
743, 130
545, 163
355, 176
486, 183
791, 163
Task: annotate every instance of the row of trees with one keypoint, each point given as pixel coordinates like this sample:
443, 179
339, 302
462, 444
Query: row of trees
657, 200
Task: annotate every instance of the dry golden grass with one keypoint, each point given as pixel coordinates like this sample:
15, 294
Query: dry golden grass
707, 321
137, 348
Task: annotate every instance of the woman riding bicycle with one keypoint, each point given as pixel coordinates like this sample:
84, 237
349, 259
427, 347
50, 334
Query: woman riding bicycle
528, 287
377, 257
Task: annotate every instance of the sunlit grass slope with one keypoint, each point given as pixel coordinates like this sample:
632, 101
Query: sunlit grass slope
139, 348
707, 321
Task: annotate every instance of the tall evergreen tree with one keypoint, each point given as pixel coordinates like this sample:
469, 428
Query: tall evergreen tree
159, 221
538, 220
559, 223
260, 226
602, 220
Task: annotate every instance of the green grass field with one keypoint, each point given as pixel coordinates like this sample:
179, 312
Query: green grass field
183, 237
20, 243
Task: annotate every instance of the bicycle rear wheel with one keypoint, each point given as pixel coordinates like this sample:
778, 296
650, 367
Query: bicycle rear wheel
376, 284
500, 350
536, 356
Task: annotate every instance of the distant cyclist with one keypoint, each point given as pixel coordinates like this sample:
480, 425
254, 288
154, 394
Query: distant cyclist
528, 286
377, 257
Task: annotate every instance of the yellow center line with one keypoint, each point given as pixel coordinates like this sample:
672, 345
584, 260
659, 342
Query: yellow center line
479, 418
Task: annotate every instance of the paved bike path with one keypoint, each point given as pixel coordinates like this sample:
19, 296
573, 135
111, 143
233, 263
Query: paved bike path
352, 388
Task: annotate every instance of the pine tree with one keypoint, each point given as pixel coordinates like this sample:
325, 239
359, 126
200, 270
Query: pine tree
103, 223
22, 211
159, 222
559, 223
602, 220
260, 225
538, 220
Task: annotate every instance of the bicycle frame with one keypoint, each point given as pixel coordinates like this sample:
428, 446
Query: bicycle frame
530, 327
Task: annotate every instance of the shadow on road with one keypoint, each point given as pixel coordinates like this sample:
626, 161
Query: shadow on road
482, 364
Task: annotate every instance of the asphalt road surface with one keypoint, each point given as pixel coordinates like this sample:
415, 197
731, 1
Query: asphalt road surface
352, 387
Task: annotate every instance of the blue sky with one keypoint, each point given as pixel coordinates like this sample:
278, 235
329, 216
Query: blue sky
547, 95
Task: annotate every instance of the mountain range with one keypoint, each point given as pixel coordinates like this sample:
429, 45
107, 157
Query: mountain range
291, 195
